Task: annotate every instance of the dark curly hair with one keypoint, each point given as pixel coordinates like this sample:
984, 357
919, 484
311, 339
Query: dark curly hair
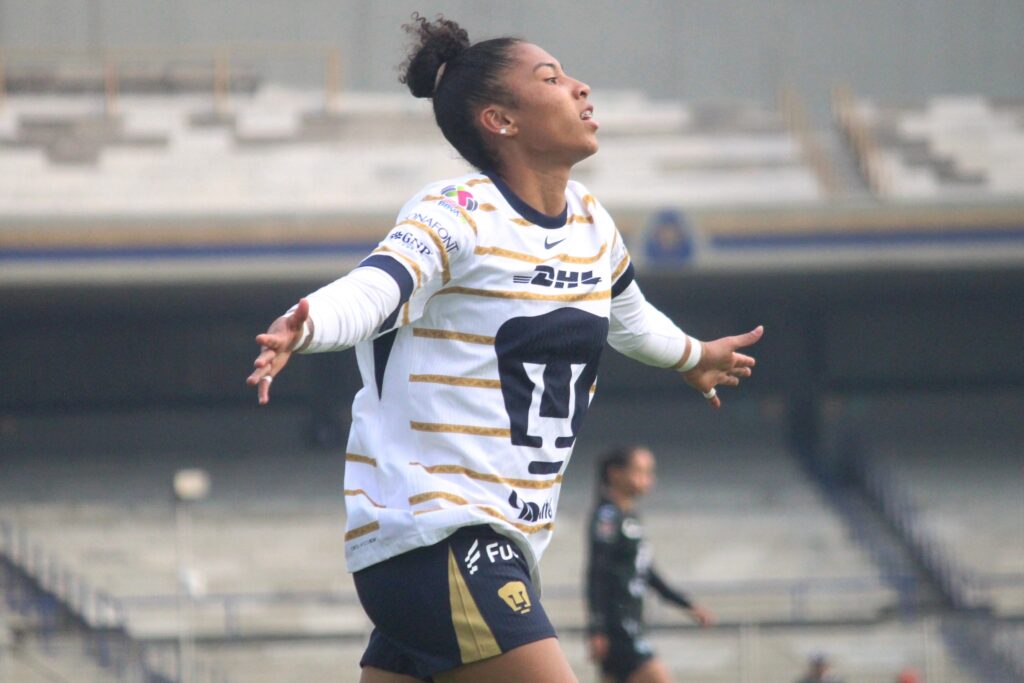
470, 81
615, 459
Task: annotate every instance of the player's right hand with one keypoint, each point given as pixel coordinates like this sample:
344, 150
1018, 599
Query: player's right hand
276, 346
722, 365
598, 647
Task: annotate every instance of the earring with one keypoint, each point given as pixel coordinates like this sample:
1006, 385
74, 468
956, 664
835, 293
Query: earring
504, 131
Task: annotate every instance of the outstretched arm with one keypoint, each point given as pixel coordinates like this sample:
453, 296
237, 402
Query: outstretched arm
642, 332
336, 316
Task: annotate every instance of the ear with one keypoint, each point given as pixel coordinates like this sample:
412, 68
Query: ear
494, 118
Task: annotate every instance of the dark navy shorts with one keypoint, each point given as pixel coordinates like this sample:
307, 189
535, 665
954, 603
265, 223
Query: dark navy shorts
464, 599
628, 650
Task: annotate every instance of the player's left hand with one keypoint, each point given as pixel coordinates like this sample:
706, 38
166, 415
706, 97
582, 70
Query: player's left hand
721, 364
702, 616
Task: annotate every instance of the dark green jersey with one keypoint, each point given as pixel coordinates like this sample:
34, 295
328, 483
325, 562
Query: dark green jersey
619, 572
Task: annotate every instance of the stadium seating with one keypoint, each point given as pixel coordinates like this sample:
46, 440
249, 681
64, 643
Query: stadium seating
949, 148
961, 470
276, 149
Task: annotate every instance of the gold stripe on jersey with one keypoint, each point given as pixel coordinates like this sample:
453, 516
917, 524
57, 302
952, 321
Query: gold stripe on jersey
465, 214
365, 459
429, 333
360, 492
472, 430
472, 382
531, 296
621, 267
412, 264
530, 258
521, 221
686, 354
459, 500
479, 181
445, 274
437, 495
589, 199
475, 638
492, 478
361, 530
487, 207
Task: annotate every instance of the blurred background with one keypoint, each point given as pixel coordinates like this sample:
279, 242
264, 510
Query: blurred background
176, 173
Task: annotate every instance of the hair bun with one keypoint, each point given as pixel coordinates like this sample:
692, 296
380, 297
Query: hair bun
436, 43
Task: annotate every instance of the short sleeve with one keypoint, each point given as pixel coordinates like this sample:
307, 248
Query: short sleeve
431, 236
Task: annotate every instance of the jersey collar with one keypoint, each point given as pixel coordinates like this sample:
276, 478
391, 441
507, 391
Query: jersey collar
525, 210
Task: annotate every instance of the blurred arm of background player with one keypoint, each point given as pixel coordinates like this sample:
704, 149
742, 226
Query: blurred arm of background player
701, 615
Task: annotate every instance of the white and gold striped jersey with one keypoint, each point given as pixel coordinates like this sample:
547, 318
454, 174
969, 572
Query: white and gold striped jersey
476, 385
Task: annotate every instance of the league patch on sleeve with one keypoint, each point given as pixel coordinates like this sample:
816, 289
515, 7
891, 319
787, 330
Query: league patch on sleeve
606, 527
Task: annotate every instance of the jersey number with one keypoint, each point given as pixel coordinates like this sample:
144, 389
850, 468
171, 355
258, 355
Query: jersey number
547, 364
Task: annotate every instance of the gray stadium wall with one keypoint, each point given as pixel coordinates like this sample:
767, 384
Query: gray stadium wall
690, 49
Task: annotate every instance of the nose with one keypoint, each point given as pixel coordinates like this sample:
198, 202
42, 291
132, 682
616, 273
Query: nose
582, 90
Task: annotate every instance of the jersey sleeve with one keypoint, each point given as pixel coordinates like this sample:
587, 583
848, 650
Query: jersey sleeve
605, 531
431, 238
622, 266
666, 591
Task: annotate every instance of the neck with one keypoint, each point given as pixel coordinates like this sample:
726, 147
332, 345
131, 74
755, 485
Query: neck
543, 189
622, 501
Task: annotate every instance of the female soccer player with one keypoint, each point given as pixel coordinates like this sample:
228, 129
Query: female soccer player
478, 324
620, 569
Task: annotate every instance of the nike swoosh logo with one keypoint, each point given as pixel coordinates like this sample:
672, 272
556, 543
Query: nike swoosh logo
548, 245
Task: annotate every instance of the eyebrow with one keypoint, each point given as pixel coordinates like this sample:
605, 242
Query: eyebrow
551, 64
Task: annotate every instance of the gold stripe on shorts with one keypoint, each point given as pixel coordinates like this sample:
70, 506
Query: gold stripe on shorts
475, 638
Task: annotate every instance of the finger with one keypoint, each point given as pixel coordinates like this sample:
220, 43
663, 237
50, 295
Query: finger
273, 340
741, 372
728, 381
265, 358
743, 360
715, 402
263, 389
259, 373
748, 338
301, 313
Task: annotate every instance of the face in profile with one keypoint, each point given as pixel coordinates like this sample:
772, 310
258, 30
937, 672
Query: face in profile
637, 477
552, 117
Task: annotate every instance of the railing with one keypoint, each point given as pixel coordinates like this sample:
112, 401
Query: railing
858, 135
795, 114
898, 507
107, 641
214, 69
